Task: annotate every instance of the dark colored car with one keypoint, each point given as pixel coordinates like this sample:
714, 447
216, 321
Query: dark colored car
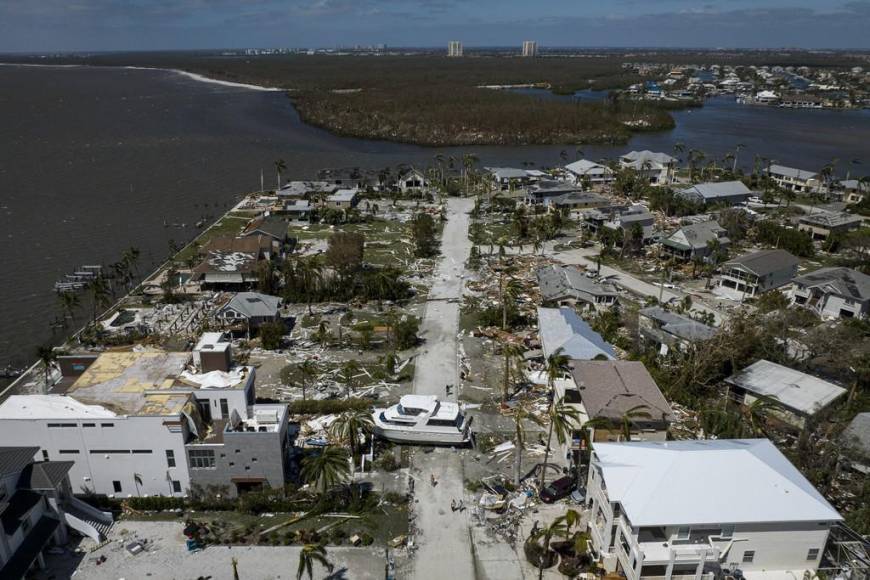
558, 489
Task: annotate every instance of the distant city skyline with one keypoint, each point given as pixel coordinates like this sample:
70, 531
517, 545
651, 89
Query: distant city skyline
92, 25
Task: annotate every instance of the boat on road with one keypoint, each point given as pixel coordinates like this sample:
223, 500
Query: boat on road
423, 420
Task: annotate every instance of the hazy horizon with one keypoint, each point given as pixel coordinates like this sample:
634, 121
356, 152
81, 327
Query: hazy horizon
119, 25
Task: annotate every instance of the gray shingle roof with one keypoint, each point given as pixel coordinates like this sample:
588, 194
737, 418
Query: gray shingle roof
272, 226
558, 282
561, 328
15, 459
680, 326
846, 282
696, 236
713, 190
831, 219
254, 304
610, 388
764, 262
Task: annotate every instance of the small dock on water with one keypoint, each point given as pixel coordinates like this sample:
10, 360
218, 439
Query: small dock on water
79, 279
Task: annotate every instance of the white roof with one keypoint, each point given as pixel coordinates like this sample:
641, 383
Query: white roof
792, 172
562, 328
725, 481
212, 341
50, 407
793, 389
343, 195
425, 402
584, 167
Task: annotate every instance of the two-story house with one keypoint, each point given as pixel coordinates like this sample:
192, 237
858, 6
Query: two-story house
757, 272
687, 510
833, 292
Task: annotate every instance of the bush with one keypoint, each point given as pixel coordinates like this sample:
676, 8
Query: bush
327, 407
388, 462
271, 334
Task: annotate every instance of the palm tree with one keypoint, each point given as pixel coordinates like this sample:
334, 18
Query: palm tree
69, 301
512, 353
737, 149
310, 554
509, 290
755, 414
100, 294
308, 368
521, 414
557, 527
280, 167
348, 370
347, 428
310, 274
556, 366
326, 469
48, 357
468, 162
636, 412
564, 418
322, 335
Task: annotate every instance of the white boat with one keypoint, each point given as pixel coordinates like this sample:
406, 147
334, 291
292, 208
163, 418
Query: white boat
423, 419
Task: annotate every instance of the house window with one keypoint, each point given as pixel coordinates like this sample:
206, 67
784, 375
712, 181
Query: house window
225, 408
812, 554
201, 458
69, 451
89, 424
683, 533
726, 532
170, 458
176, 486
748, 556
117, 486
44, 455
107, 424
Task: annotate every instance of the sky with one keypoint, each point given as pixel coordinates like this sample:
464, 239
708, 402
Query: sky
92, 25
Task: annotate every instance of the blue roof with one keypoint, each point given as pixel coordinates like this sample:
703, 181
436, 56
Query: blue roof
563, 328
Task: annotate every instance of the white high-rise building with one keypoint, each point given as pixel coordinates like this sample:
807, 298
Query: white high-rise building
454, 48
530, 48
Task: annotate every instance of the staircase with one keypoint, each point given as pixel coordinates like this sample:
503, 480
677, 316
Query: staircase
87, 520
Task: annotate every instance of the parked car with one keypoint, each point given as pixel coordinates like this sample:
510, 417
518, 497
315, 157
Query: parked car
558, 489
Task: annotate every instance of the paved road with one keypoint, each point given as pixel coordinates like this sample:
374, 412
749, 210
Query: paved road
444, 544
585, 256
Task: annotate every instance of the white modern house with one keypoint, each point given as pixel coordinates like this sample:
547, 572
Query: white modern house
797, 180
585, 170
833, 292
689, 510
658, 168
131, 421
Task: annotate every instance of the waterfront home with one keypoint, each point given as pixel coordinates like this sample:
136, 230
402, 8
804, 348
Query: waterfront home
544, 189
616, 392
668, 330
343, 199
657, 168
721, 193
250, 309
754, 273
574, 200
350, 178
149, 423
821, 224
802, 101
412, 180
854, 190
797, 180
584, 171
299, 190
37, 508
568, 286
797, 396
833, 293
562, 330
231, 263
766, 98
508, 178
275, 229
695, 241
299, 210
674, 510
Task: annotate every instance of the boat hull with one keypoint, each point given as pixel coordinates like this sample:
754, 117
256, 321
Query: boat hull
415, 436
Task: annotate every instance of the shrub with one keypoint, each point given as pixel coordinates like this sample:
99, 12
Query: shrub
327, 407
388, 462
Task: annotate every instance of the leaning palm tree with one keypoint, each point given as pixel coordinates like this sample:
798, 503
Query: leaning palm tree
509, 290
48, 357
310, 554
348, 426
326, 469
630, 415
564, 418
100, 294
512, 354
521, 416
308, 368
348, 371
280, 167
544, 536
310, 273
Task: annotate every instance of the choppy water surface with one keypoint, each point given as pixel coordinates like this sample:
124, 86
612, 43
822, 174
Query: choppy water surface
93, 161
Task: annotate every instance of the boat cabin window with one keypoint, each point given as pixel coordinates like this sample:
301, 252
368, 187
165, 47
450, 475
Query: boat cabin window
442, 422
410, 410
